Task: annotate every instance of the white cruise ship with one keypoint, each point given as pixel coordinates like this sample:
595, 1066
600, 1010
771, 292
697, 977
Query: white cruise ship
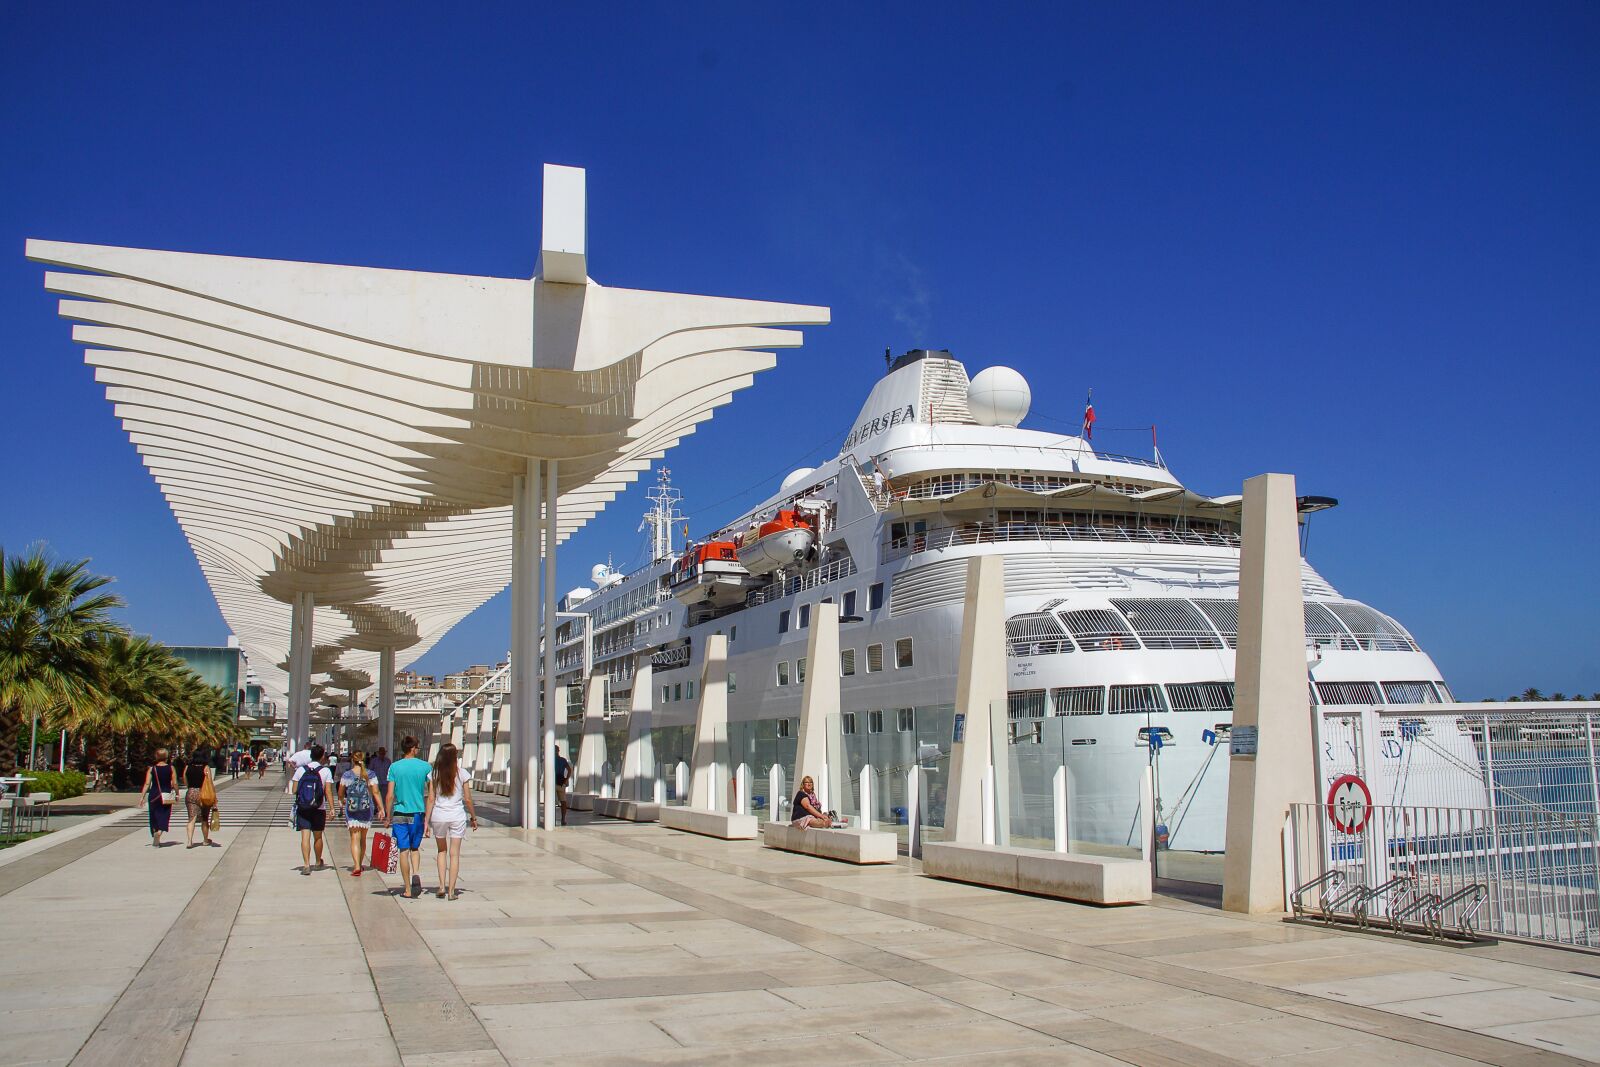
1121, 600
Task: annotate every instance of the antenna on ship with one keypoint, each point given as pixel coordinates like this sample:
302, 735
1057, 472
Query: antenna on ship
662, 514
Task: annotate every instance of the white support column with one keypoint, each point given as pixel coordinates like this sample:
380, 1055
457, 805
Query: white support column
710, 723
524, 777
776, 793
1058, 789
866, 796
819, 700
639, 754
301, 634
386, 700
741, 789
914, 812
551, 514
980, 685
592, 744
1271, 699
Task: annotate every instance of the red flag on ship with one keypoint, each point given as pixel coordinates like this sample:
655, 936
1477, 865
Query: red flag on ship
1088, 417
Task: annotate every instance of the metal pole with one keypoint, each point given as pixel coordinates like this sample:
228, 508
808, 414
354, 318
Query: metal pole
551, 512
386, 699
33, 742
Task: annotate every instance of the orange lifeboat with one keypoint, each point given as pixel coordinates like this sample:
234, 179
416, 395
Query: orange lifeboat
709, 573
781, 541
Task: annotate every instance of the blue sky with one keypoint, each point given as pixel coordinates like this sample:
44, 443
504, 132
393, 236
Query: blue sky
1357, 244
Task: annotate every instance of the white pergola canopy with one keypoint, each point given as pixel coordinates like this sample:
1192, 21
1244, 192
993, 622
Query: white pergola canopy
354, 433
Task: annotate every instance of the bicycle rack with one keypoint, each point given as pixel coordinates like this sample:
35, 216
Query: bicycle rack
1335, 879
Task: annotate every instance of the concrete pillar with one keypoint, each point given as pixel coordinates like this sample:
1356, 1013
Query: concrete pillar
592, 743
301, 634
1270, 699
638, 770
524, 769
386, 700
819, 699
710, 724
551, 514
980, 685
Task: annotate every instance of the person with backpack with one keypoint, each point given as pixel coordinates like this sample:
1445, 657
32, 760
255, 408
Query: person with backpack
563, 776
358, 791
313, 796
408, 780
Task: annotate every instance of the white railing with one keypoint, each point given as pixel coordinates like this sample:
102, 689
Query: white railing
1512, 872
995, 533
828, 572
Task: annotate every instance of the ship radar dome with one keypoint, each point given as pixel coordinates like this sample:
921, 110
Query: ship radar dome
998, 396
795, 478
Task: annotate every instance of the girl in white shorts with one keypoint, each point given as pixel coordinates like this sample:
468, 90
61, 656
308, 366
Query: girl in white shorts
449, 812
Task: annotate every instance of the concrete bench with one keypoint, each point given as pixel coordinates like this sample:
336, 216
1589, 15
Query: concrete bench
628, 810
723, 824
581, 801
848, 846
1066, 875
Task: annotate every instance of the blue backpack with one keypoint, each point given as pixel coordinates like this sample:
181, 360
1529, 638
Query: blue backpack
308, 793
358, 800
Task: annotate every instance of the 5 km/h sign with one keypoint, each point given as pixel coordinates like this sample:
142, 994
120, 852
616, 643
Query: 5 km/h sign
1349, 804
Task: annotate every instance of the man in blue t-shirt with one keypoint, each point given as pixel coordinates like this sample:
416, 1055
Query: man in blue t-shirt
408, 776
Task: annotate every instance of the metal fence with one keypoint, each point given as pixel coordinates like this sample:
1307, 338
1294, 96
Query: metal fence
1526, 872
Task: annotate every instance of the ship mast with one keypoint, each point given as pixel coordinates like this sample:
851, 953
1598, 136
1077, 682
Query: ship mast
662, 514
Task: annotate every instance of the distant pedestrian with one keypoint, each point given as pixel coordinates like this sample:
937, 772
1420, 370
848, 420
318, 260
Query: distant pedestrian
342, 766
159, 792
199, 799
563, 776
233, 764
408, 806
379, 767
313, 796
261, 764
450, 812
358, 792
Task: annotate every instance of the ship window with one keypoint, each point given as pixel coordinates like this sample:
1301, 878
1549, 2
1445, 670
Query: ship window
905, 720
902, 653
783, 672
783, 728
1201, 696
1036, 634
875, 722
733, 682
1224, 615
688, 690
847, 722
1165, 622
677, 691
875, 596
783, 621
666, 693
1135, 699
1409, 693
805, 617
874, 659
1099, 630
1349, 693
849, 604
1025, 704
733, 634
1444, 693
1375, 631
800, 669
1078, 699
847, 662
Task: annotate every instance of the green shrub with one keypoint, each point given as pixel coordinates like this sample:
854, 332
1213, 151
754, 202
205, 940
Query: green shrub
59, 784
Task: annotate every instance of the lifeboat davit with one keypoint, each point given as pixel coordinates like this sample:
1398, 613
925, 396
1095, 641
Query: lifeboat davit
709, 573
782, 541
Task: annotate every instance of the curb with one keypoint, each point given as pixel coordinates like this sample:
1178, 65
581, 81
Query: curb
56, 837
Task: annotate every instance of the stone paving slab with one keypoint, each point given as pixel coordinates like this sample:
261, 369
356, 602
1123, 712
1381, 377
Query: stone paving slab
609, 944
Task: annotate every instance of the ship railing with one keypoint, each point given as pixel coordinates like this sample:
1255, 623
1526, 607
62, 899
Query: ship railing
1449, 872
994, 533
671, 658
828, 572
1055, 451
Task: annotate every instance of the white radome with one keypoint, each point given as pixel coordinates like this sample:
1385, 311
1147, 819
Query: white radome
999, 396
796, 477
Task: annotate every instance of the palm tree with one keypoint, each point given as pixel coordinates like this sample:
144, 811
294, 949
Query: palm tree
1532, 694
54, 624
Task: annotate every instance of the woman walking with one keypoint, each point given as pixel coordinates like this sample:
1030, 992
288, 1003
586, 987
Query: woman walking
160, 790
448, 813
200, 798
358, 790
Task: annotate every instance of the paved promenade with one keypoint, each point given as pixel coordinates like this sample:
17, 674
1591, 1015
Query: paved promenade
609, 944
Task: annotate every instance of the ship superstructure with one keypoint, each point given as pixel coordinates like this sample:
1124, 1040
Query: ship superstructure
1121, 589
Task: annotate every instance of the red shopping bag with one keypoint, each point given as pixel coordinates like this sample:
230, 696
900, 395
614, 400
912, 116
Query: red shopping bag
383, 855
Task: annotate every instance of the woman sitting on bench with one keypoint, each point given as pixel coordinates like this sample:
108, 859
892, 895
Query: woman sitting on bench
807, 809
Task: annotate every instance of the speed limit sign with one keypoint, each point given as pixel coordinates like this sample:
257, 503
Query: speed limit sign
1349, 804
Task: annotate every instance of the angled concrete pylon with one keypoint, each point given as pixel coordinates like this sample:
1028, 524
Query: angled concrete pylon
710, 725
818, 701
1271, 700
638, 774
980, 685
592, 744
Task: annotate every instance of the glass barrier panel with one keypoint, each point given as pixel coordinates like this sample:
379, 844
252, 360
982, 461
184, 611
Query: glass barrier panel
1190, 771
